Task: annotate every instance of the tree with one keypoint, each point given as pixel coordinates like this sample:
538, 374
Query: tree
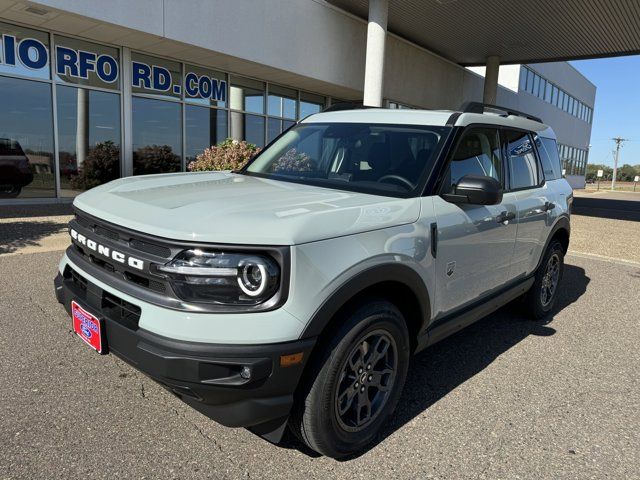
626, 173
155, 159
101, 166
592, 172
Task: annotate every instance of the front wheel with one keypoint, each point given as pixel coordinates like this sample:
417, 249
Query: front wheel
356, 382
543, 295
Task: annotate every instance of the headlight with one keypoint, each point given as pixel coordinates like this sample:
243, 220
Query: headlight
224, 278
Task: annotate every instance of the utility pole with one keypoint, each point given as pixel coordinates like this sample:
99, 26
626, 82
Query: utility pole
619, 141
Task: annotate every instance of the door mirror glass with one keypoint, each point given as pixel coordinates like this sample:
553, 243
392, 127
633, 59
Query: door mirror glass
475, 190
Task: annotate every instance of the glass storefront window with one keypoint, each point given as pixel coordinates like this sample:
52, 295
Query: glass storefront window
281, 102
204, 127
522, 80
86, 80
548, 93
24, 52
157, 136
87, 64
247, 95
88, 138
26, 139
205, 87
247, 127
156, 76
542, 88
276, 126
310, 104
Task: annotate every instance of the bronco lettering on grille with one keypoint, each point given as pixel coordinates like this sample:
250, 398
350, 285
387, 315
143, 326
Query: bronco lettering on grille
106, 251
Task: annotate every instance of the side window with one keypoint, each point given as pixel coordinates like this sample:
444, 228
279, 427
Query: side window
548, 150
477, 153
523, 166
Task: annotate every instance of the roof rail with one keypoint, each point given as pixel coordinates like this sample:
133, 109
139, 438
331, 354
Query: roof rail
336, 107
479, 107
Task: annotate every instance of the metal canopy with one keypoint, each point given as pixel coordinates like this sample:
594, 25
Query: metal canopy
518, 31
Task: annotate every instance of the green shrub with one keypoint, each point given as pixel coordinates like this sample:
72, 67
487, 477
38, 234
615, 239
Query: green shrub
155, 159
101, 166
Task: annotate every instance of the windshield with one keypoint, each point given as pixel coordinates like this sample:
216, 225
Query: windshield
372, 158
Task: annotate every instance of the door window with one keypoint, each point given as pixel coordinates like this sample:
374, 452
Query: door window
523, 166
477, 153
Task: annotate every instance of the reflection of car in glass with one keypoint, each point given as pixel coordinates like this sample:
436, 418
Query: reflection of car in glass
15, 171
292, 293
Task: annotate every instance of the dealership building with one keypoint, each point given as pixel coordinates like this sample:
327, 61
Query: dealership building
94, 90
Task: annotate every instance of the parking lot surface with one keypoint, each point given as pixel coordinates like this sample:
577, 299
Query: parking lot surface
505, 398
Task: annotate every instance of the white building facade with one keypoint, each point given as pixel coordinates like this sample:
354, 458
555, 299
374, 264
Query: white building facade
93, 90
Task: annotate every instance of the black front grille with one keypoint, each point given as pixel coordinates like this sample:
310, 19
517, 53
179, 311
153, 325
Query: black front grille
83, 221
120, 310
151, 248
146, 282
128, 242
78, 280
111, 306
107, 233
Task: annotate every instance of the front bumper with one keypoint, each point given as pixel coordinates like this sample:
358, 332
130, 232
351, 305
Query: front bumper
205, 376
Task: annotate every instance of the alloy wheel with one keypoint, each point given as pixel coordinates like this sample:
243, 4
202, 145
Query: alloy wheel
550, 280
366, 380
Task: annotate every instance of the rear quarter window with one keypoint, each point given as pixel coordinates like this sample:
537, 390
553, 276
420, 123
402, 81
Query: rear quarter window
548, 150
524, 170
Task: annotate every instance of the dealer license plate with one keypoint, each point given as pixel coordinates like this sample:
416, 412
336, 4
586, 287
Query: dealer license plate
88, 327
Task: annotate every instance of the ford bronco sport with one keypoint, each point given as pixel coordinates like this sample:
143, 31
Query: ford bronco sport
293, 292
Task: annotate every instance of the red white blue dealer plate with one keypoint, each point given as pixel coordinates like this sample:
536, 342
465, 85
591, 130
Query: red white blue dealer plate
87, 327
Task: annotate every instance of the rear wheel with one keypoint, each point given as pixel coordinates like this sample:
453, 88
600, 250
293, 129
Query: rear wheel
356, 382
543, 295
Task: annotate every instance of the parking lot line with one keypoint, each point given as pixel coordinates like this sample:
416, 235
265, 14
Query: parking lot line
603, 258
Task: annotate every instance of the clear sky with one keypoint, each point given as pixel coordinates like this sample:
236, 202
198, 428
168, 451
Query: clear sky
617, 109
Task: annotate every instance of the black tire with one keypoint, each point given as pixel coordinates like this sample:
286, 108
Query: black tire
543, 295
315, 418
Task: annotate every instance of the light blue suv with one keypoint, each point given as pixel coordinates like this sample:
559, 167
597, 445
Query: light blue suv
293, 292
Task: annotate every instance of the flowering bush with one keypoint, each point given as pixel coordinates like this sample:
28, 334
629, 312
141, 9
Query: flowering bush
227, 155
293, 161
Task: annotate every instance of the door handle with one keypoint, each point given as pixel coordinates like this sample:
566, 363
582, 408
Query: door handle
505, 217
544, 209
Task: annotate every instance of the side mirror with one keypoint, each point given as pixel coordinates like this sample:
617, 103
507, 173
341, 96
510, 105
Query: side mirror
476, 190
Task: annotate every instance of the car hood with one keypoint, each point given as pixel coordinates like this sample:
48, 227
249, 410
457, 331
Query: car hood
222, 207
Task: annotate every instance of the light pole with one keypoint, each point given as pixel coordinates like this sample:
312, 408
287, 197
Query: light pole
619, 141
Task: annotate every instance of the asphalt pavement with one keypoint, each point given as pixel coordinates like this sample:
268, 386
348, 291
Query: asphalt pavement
618, 205
505, 398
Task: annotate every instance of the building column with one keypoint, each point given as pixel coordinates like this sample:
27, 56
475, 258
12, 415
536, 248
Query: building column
127, 115
82, 127
491, 80
374, 66
236, 101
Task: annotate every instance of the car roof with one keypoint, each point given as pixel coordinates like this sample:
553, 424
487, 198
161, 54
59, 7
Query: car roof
438, 118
